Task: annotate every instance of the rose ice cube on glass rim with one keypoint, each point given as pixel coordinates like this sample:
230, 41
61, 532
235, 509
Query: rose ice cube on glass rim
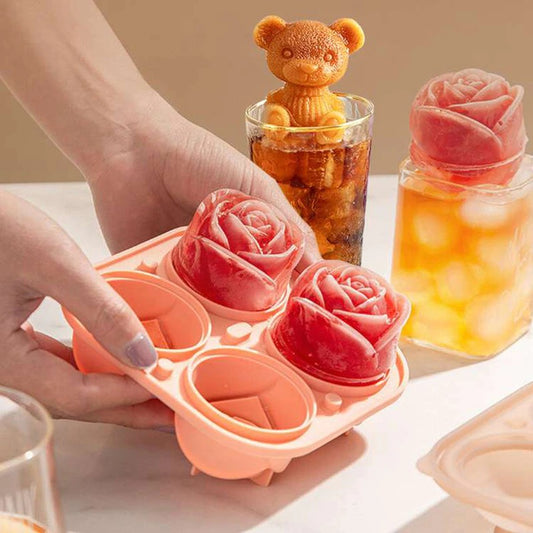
238, 251
342, 324
468, 127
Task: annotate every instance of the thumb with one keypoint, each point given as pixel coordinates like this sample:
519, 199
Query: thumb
101, 310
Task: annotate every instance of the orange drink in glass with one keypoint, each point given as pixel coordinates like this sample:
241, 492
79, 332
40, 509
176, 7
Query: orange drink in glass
463, 255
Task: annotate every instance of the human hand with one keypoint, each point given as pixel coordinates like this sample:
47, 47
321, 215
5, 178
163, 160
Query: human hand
164, 169
148, 167
38, 259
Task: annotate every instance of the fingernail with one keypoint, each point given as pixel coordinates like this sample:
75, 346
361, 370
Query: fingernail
166, 429
141, 352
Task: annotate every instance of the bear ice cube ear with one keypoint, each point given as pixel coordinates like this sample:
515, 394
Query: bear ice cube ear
267, 29
351, 33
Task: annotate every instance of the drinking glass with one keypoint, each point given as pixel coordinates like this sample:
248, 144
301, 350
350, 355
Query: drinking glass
463, 255
28, 499
322, 170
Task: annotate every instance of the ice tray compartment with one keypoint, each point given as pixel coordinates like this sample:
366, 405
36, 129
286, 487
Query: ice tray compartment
250, 394
171, 317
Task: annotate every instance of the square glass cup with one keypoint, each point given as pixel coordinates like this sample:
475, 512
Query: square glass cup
463, 255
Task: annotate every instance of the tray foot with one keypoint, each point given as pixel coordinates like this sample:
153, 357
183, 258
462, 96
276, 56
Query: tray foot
264, 478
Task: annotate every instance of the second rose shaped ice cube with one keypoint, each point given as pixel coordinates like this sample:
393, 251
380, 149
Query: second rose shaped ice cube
238, 251
342, 324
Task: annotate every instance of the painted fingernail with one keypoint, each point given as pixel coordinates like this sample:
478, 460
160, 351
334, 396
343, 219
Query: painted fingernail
166, 429
141, 352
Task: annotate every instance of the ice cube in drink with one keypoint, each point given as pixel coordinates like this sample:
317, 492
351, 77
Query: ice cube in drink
327, 187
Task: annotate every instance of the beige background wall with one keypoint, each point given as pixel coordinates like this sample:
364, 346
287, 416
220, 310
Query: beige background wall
200, 55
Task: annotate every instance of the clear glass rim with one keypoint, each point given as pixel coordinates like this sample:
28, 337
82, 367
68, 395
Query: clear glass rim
407, 167
25, 400
308, 129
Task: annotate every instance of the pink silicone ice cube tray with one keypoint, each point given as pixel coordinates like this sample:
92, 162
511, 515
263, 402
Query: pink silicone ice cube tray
242, 410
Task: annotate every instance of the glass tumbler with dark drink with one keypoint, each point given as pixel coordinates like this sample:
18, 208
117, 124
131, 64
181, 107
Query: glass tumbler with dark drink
322, 170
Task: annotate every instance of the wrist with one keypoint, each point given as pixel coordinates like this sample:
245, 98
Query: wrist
113, 129
142, 126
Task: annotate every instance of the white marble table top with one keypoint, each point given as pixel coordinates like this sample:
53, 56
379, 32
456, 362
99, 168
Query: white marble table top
114, 480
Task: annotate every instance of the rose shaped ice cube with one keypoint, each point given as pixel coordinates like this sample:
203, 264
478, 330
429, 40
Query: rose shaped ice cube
468, 127
342, 324
238, 251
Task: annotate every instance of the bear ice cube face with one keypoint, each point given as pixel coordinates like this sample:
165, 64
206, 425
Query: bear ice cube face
307, 52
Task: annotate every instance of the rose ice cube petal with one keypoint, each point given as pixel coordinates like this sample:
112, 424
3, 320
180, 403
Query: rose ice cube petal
274, 264
324, 343
219, 275
461, 139
371, 326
